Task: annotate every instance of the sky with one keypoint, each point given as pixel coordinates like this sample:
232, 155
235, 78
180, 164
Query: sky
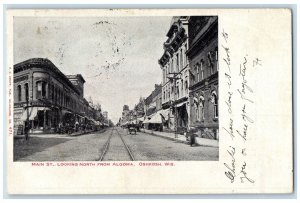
117, 56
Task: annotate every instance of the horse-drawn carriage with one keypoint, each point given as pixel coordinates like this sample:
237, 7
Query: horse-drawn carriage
132, 128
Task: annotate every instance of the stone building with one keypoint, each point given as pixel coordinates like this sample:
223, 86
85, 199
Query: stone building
45, 97
203, 61
175, 75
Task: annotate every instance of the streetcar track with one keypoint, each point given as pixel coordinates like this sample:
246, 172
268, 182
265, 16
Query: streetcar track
106, 146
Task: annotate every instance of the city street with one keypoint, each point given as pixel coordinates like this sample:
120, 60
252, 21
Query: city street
108, 146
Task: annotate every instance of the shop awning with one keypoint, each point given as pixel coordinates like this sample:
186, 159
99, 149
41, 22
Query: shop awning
140, 119
32, 112
155, 119
164, 113
147, 119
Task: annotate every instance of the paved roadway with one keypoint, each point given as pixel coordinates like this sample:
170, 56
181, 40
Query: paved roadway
90, 147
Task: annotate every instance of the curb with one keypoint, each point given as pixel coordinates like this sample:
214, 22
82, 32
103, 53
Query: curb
168, 138
75, 135
181, 141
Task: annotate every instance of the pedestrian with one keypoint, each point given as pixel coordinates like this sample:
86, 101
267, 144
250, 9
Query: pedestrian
59, 127
76, 126
26, 129
192, 136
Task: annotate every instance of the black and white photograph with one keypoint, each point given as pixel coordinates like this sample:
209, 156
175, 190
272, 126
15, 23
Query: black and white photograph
149, 101
116, 88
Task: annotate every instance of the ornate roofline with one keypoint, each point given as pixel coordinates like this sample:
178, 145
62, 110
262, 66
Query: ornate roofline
43, 63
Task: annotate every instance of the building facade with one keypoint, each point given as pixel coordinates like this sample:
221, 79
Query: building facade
153, 102
153, 109
203, 61
45, 97
175, 75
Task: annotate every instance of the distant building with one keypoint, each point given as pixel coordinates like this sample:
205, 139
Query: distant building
105, 114
203, 60
78, 82
153, 102
125, 108
125, 115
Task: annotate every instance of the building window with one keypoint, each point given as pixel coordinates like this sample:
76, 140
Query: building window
26, 92
201, 69
200, 110
210, 61
182, 87
181, 59
59, 96
19, 93
186, 58
198, 72
197, 113
38, 89
44, 85
55, 96
216, 58
214, 101
186, 86
52, 92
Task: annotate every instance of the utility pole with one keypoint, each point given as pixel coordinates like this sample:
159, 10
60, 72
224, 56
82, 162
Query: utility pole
174, 78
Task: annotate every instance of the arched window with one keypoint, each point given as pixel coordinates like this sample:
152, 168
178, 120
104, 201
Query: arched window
26, 91
201, 69
198, 72
216, 58
201, 105
214, 101
19, 93
197, 113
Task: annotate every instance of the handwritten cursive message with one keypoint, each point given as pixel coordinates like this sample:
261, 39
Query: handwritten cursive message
239, 102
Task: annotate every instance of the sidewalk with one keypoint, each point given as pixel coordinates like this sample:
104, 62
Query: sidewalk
58, 134
182, 138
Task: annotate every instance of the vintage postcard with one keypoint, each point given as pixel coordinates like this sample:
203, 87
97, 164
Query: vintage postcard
137, 101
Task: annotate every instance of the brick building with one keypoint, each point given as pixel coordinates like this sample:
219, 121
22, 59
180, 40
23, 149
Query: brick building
45, 97
203, 60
